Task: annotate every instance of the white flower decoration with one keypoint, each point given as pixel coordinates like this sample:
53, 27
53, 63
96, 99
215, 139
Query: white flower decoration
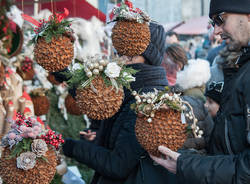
128, 77
112, 70
26, 160
76, 66
39, 147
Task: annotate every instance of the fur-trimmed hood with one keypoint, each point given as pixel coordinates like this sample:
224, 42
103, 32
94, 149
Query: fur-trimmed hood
195, 74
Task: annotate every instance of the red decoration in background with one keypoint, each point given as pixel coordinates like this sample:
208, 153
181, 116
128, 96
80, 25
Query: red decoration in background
77, 8
31, 20
61, 16
130, 6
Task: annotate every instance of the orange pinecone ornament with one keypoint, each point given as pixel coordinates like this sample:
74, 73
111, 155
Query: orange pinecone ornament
71, 106
130, 38
40, 101
165, 129
42, 173
99, 103
56, 55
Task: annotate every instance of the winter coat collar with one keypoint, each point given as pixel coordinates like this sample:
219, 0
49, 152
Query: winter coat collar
148, 77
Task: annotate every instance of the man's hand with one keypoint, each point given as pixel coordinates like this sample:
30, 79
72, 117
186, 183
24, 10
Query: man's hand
170, 163
90, 136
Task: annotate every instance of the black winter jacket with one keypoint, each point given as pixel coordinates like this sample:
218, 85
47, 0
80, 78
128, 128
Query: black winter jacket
229, 160
117, 157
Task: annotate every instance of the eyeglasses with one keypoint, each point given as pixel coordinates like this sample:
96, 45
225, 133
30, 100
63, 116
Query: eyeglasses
216, 86
217, 20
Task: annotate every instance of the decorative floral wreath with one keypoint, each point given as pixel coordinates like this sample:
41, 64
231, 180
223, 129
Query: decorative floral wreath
28, 140
148, 103
55, 26
114, 73
7, 28
125, 11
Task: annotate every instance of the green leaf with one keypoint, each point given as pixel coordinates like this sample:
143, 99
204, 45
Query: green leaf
44, 159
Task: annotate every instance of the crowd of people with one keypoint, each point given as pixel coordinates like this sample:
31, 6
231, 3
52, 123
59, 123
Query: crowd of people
219, 89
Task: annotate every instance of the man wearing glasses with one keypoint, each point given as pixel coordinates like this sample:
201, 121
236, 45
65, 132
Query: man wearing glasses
229, 147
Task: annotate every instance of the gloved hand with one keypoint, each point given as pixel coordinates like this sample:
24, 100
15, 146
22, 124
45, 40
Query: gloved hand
72, 92
62, 75
195, 143
68, 147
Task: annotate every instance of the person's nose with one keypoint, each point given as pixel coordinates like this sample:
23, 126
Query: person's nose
218, 30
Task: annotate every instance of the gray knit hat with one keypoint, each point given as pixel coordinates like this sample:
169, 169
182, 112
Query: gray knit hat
155, 50
230, 6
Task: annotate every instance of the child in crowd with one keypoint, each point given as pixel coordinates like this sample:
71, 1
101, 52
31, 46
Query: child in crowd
213, 95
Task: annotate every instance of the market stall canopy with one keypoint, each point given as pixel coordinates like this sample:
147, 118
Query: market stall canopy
195, 26
77, 8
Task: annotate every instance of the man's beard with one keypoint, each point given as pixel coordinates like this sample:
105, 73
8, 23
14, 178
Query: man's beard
233, 45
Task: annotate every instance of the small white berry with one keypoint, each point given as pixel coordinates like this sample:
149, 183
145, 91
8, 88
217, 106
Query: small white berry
91, 66
201, 132
89, 74
102, 62
149, 120
96, 65
100, 68
95, 71
134, 93
149, 101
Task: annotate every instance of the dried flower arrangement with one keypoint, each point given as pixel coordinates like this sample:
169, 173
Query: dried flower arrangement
53, 41
29, 154
99, 85
6, 26
161, 120
11, 36
130, 34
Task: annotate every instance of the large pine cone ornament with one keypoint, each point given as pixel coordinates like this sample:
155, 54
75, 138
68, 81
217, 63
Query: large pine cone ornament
101, 104
71, 106
165, 129
42, 173
41, 105
130, 38
56, 55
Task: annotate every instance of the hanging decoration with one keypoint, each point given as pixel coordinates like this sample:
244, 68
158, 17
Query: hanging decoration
53, 41
161, 120
130, 34
99, 85
29, 152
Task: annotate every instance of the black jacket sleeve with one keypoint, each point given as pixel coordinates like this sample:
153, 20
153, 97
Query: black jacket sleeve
221, 169
116, 163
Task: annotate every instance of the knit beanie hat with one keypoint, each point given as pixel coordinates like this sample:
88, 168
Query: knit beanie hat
155, 50
230, 6
214, 90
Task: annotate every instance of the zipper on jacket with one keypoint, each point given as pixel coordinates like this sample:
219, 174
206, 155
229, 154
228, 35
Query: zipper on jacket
227, 138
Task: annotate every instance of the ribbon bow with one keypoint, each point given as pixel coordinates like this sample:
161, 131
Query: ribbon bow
216, 86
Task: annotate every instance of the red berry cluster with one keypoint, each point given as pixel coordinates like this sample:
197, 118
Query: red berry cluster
42, 23
21, 120
53, 139
27, 64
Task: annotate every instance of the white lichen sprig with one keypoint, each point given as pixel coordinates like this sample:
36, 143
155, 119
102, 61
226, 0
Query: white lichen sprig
148, 103
113, 71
